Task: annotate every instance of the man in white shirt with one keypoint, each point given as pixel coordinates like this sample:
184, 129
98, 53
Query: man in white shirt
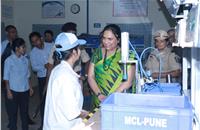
48, 37
39, 57
11, 34
6, 49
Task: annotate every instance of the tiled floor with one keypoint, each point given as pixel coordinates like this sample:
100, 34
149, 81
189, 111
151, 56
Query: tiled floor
34, 100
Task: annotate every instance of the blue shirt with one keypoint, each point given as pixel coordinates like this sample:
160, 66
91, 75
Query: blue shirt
38, 58
16, 71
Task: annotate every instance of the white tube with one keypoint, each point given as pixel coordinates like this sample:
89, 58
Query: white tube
124, 47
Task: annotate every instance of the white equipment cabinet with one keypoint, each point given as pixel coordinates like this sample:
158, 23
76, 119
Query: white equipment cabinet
187, 12
188, 36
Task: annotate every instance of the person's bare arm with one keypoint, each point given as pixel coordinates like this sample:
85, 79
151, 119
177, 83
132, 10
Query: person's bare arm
174, 73
49, 68
8, 91
87, 67
92, 82
127, 84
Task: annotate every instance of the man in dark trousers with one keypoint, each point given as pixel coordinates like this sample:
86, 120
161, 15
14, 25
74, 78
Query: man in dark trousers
6, 51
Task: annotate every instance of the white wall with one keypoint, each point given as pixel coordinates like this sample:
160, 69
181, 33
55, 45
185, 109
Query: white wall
7, 4
101, 12
28, 12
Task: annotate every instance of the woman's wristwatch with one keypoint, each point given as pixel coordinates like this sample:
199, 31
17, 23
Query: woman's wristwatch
98, 94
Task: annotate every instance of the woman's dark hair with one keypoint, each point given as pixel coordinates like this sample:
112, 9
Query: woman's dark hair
63, 55
18, 42
69, 27
115, 30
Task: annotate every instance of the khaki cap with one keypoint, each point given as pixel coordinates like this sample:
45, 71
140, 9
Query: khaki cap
161, 34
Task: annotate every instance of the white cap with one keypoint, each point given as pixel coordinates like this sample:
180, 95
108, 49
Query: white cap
68, 41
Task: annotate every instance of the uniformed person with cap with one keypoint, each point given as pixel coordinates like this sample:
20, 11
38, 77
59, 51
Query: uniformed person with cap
170, 62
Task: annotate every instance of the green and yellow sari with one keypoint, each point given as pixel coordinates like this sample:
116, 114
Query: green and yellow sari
108, 72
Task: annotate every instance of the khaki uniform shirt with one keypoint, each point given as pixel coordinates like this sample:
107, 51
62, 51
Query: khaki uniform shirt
169, 62
83, 59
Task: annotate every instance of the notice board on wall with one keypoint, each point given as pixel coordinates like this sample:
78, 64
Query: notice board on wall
130, 8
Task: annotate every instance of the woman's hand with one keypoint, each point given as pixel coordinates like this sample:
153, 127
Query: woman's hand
31, 92
84, 113
101, 97
9, 94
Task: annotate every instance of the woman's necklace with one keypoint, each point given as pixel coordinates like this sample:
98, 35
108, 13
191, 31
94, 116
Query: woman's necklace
106, 66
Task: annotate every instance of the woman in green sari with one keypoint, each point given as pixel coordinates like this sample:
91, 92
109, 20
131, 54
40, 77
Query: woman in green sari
105, 71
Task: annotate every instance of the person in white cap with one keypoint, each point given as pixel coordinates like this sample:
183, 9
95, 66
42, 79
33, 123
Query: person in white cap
64, 98
170, 62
